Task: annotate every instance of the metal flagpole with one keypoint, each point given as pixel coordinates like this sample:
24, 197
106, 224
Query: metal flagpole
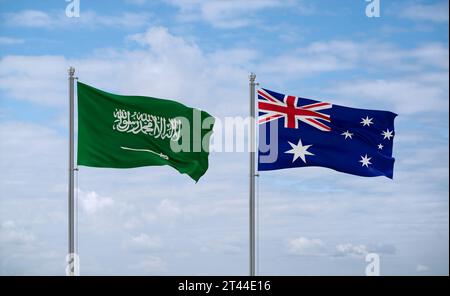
252, 78
71, 204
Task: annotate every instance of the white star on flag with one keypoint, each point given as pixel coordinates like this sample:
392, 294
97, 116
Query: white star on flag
387, 134
366, 121
365, 160
347, 134
380, 146
299, 151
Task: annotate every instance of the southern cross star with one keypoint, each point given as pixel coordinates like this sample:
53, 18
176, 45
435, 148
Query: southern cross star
366, 121
299, 151
347, 134
365, 161
387, 134
380, 146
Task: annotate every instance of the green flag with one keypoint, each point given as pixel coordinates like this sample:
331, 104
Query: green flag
117, 131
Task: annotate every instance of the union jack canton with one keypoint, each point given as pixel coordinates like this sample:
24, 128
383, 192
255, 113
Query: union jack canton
314, 133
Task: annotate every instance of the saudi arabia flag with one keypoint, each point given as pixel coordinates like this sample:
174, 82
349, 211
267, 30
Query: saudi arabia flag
117, 131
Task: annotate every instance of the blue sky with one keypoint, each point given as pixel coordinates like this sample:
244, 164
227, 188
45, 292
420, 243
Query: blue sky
155, 221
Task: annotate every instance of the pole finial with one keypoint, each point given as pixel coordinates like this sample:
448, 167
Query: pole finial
71, 71
252, 77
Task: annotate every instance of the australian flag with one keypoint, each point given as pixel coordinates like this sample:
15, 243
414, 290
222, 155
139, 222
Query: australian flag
298, 132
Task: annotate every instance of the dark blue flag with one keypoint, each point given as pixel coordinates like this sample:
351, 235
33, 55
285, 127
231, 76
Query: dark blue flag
298, 132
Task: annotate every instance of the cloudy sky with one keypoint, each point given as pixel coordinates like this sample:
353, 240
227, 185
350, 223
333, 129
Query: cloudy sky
155, 221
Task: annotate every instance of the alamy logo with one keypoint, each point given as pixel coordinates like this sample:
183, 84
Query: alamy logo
72, 264
373, 8
73, 8
373, 268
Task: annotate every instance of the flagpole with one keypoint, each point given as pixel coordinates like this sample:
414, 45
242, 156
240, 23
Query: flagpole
71, 201
252, 232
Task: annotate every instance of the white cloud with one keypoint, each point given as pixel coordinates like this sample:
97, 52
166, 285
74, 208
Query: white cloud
431, 54
351, 250
136, 2
306, 246
22, 253
168, 209
29, 18
420, 72
422, 93
125, 20
151, 264
225, 14
10, 40
34, 79
25, 146
288, 64
228, 245
316, 247
233, 14
343, 55
145, 242
162, 42
87, 19
91, 202
435, 12
166, 66
315, 58
388, 249
422, 268
10, 233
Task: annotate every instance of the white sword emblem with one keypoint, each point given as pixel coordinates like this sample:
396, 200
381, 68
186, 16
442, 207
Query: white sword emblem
147, 150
